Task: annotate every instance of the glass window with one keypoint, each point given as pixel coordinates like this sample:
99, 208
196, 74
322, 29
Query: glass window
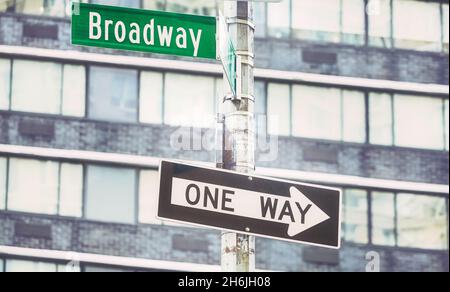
74, 90
122, 3
153, 4
418, 122
316, 20
316, 112
70, 267
189, 92
278, 109
7, 6
2, 182
5, 79
278, 18
40, 192
353, 116
355, 216
2, 263
383, 218
446, 116
352, 21
259, 10
71, 190
21, 266
148, 196
422, 221
260, 107
329, 20
380, 30
111, 194
57, 8
113, 94
151, 97
445, 25
380, 118
199, 7
219, 94
28, 97
417, 25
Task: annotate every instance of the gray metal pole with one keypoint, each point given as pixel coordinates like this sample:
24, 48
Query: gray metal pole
238, 250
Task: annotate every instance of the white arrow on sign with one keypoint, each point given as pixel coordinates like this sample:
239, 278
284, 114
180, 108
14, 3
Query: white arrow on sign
297, 210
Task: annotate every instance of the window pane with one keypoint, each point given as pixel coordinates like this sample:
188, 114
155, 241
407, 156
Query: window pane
189, 92
353, 21
2, 182
355, 216
418, 122
445, 26
278, 19
383, 218
14, 266
113, 94
354, 116
380, 23
199, 7
68, 268
380, 113
7, 6
317, 112
5, 77
278, 108
422, 221
122, 3
74, 90
71, 190
260, 107
417, 25
56, 8
1, 266
40, 192
259, 10
148, 196
151, 97
446, 116
111, 194
153, 4
26, 96
316, 20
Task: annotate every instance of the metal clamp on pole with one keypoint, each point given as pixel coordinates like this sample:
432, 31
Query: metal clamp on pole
235, 20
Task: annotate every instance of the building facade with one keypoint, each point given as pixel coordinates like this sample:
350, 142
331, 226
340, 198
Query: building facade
353, 92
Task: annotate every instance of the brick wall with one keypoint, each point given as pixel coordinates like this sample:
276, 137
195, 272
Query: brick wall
203, 246
303, 56
293, 153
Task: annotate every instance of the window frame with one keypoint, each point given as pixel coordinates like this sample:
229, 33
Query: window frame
135, 196
59, 162
395, 193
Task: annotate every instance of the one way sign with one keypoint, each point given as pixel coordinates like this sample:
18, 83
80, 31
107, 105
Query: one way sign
250, 204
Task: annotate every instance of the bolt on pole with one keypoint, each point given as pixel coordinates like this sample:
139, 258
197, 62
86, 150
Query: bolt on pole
238, 140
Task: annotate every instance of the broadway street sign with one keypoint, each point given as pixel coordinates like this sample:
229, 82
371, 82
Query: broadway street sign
253, 205
144, 30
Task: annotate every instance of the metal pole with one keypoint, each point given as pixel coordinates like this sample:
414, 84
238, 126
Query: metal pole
238, 153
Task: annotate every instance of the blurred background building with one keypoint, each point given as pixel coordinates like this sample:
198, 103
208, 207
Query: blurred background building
360, 89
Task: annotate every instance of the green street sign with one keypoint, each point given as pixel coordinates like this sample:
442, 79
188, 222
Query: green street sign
144, 30
227, 54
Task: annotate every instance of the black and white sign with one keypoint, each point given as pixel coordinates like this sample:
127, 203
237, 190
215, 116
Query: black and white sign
253, 205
